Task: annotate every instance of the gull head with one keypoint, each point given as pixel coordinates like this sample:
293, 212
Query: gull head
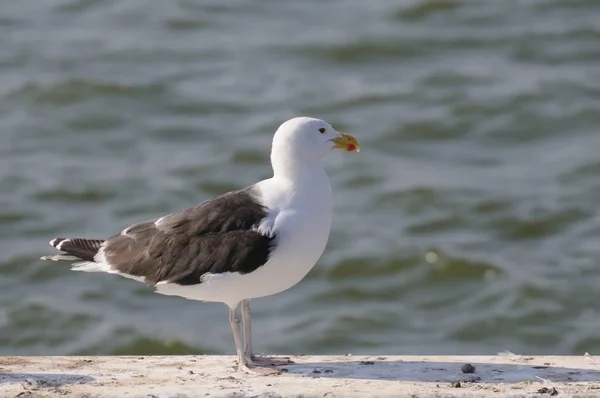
306, 138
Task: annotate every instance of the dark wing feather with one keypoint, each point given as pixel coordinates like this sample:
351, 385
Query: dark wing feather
81, 248
215, 236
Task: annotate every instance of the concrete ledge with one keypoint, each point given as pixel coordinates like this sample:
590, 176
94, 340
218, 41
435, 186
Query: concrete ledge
311, 376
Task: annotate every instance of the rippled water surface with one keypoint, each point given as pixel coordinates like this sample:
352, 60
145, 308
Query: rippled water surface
468, 223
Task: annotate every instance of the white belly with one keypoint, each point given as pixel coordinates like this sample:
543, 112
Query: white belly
297, 252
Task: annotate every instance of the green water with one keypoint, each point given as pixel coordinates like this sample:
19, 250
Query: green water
468, 223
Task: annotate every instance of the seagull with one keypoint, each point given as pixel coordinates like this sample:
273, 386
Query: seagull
241, 245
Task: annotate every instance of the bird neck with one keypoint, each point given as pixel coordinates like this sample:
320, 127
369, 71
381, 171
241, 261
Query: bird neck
294, 170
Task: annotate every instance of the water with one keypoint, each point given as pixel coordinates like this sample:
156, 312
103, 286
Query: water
468, 223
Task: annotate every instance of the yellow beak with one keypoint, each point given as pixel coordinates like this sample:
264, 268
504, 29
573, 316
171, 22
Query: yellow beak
346, 142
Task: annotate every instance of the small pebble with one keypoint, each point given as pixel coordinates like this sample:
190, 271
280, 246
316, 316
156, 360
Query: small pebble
316, 371
455, 384
367, 363
328, 371
551, 391
190, 372
468, 368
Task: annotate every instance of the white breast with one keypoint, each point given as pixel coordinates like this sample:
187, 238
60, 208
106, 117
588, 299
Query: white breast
301, 221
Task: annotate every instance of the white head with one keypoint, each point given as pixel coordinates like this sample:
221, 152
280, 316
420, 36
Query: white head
306, 140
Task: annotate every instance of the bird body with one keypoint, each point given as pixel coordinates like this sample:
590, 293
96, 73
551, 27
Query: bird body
245, 244
301, 221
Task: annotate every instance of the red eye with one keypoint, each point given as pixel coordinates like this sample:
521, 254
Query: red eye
322, 130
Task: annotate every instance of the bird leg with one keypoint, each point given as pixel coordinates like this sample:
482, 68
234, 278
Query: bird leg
246, 314
244, 365
234, 321
251, 358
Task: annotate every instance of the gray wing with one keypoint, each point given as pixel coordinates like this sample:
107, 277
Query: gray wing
215, 236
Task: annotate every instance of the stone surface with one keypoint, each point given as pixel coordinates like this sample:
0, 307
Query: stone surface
505, 375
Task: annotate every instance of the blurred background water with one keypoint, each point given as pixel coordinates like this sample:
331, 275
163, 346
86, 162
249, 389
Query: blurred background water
468, 223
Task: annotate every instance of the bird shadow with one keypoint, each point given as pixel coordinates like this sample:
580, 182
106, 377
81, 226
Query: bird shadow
44, 380
453, 371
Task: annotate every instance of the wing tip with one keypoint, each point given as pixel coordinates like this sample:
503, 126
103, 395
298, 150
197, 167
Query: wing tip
58, 242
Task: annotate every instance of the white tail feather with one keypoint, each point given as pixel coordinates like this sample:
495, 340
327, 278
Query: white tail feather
60, 257
88, 266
